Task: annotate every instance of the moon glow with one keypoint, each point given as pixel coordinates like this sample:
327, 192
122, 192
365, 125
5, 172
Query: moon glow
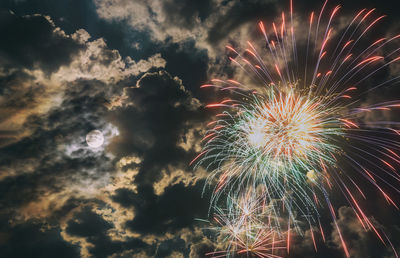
94, 139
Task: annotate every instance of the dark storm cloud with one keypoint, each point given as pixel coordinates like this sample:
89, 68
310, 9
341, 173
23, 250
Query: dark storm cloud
240, 13
187, 62
45, 148
186, 12
160, 106
56, 171
44, 173
50, 175
30, 41
361, 243
91, 226
151, 125
54, 159
167, 248
176, 209
155, 116
16, 97
72, 15
199, 249
32, 239
165, 213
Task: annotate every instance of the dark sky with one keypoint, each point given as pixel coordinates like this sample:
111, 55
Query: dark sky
131, 69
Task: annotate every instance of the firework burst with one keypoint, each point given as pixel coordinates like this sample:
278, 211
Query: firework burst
296, 135
247, 227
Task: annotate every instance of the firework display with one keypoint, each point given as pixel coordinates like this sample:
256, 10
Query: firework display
280, 147
247, 226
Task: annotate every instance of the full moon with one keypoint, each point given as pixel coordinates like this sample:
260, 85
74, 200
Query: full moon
94, 139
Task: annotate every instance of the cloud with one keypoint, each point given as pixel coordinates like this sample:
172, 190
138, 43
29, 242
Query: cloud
48, 104
187, 13
208, 23
35, 89
360, 242
152, 121
98, 62
91, 227
33, 41
238, 14
52, 176
152, 17
34, 240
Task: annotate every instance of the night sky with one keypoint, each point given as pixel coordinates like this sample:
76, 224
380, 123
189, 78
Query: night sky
133, 70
